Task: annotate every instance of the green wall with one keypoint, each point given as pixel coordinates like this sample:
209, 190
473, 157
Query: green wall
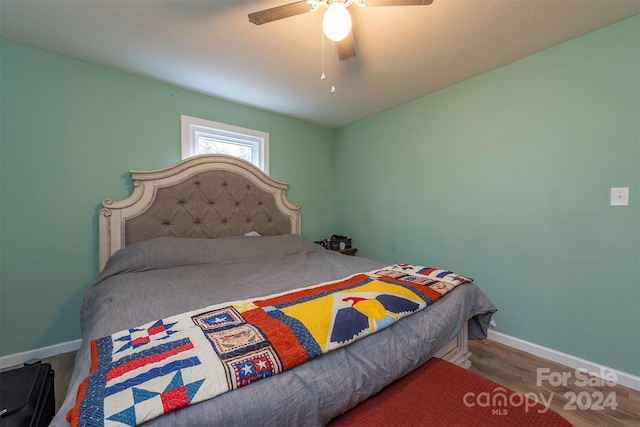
70, 132
505, 178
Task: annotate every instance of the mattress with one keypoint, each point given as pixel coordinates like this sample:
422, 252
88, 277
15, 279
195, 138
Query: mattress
163, 277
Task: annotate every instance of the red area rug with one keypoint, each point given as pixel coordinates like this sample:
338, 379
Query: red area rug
440, 393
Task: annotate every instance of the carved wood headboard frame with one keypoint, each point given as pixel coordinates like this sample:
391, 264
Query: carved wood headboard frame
202, 196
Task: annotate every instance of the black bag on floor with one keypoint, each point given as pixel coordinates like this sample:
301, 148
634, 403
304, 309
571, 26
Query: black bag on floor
27, 396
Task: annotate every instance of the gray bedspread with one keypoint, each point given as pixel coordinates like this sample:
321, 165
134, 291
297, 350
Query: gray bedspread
168, 276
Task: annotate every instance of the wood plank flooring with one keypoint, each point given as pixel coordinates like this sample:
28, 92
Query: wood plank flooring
506, 366
518, 371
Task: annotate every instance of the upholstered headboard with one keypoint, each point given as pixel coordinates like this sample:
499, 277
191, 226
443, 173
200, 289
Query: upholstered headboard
204, 196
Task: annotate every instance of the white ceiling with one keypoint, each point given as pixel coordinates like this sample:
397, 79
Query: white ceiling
209, 46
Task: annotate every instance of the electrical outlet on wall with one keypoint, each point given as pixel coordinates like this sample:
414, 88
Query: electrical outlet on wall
619, 196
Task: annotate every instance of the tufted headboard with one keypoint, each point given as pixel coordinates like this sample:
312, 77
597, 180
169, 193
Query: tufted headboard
204, 196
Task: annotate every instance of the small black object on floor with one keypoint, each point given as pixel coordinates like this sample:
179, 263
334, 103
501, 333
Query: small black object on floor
27, 395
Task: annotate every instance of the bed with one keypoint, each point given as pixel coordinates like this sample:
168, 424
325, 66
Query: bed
212, 229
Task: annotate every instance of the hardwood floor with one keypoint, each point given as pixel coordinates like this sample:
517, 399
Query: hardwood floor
510, 368
611, 405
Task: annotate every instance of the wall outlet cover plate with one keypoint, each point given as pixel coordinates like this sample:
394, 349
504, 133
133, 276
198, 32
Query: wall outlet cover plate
619, 196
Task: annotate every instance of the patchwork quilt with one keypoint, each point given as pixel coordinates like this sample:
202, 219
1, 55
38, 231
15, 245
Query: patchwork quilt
147, 371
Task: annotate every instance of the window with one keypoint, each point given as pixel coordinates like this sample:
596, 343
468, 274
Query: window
201, 136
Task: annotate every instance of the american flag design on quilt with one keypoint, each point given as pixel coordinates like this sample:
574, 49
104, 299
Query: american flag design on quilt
141, 373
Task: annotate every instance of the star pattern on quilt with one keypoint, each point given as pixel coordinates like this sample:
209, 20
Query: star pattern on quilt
250, 367
176, 395
215, 319
139, 337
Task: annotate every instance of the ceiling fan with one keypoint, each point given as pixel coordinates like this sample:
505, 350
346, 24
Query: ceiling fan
336, 22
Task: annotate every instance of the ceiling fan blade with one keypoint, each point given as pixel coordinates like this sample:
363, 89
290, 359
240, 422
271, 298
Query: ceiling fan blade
346, 47
279, 12
397, 2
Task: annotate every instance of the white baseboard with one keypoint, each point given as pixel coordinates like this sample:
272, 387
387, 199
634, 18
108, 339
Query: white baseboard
38, 353
622, 378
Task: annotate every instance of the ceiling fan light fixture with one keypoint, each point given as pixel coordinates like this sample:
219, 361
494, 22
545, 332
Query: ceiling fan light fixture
336, 22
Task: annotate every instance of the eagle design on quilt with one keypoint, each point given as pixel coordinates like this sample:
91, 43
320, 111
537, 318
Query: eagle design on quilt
368, 313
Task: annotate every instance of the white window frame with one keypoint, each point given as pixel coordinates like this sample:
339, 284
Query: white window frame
192, 128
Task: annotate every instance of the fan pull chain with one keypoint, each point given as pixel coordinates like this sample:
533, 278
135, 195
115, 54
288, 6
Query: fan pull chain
322, 76
333, 75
